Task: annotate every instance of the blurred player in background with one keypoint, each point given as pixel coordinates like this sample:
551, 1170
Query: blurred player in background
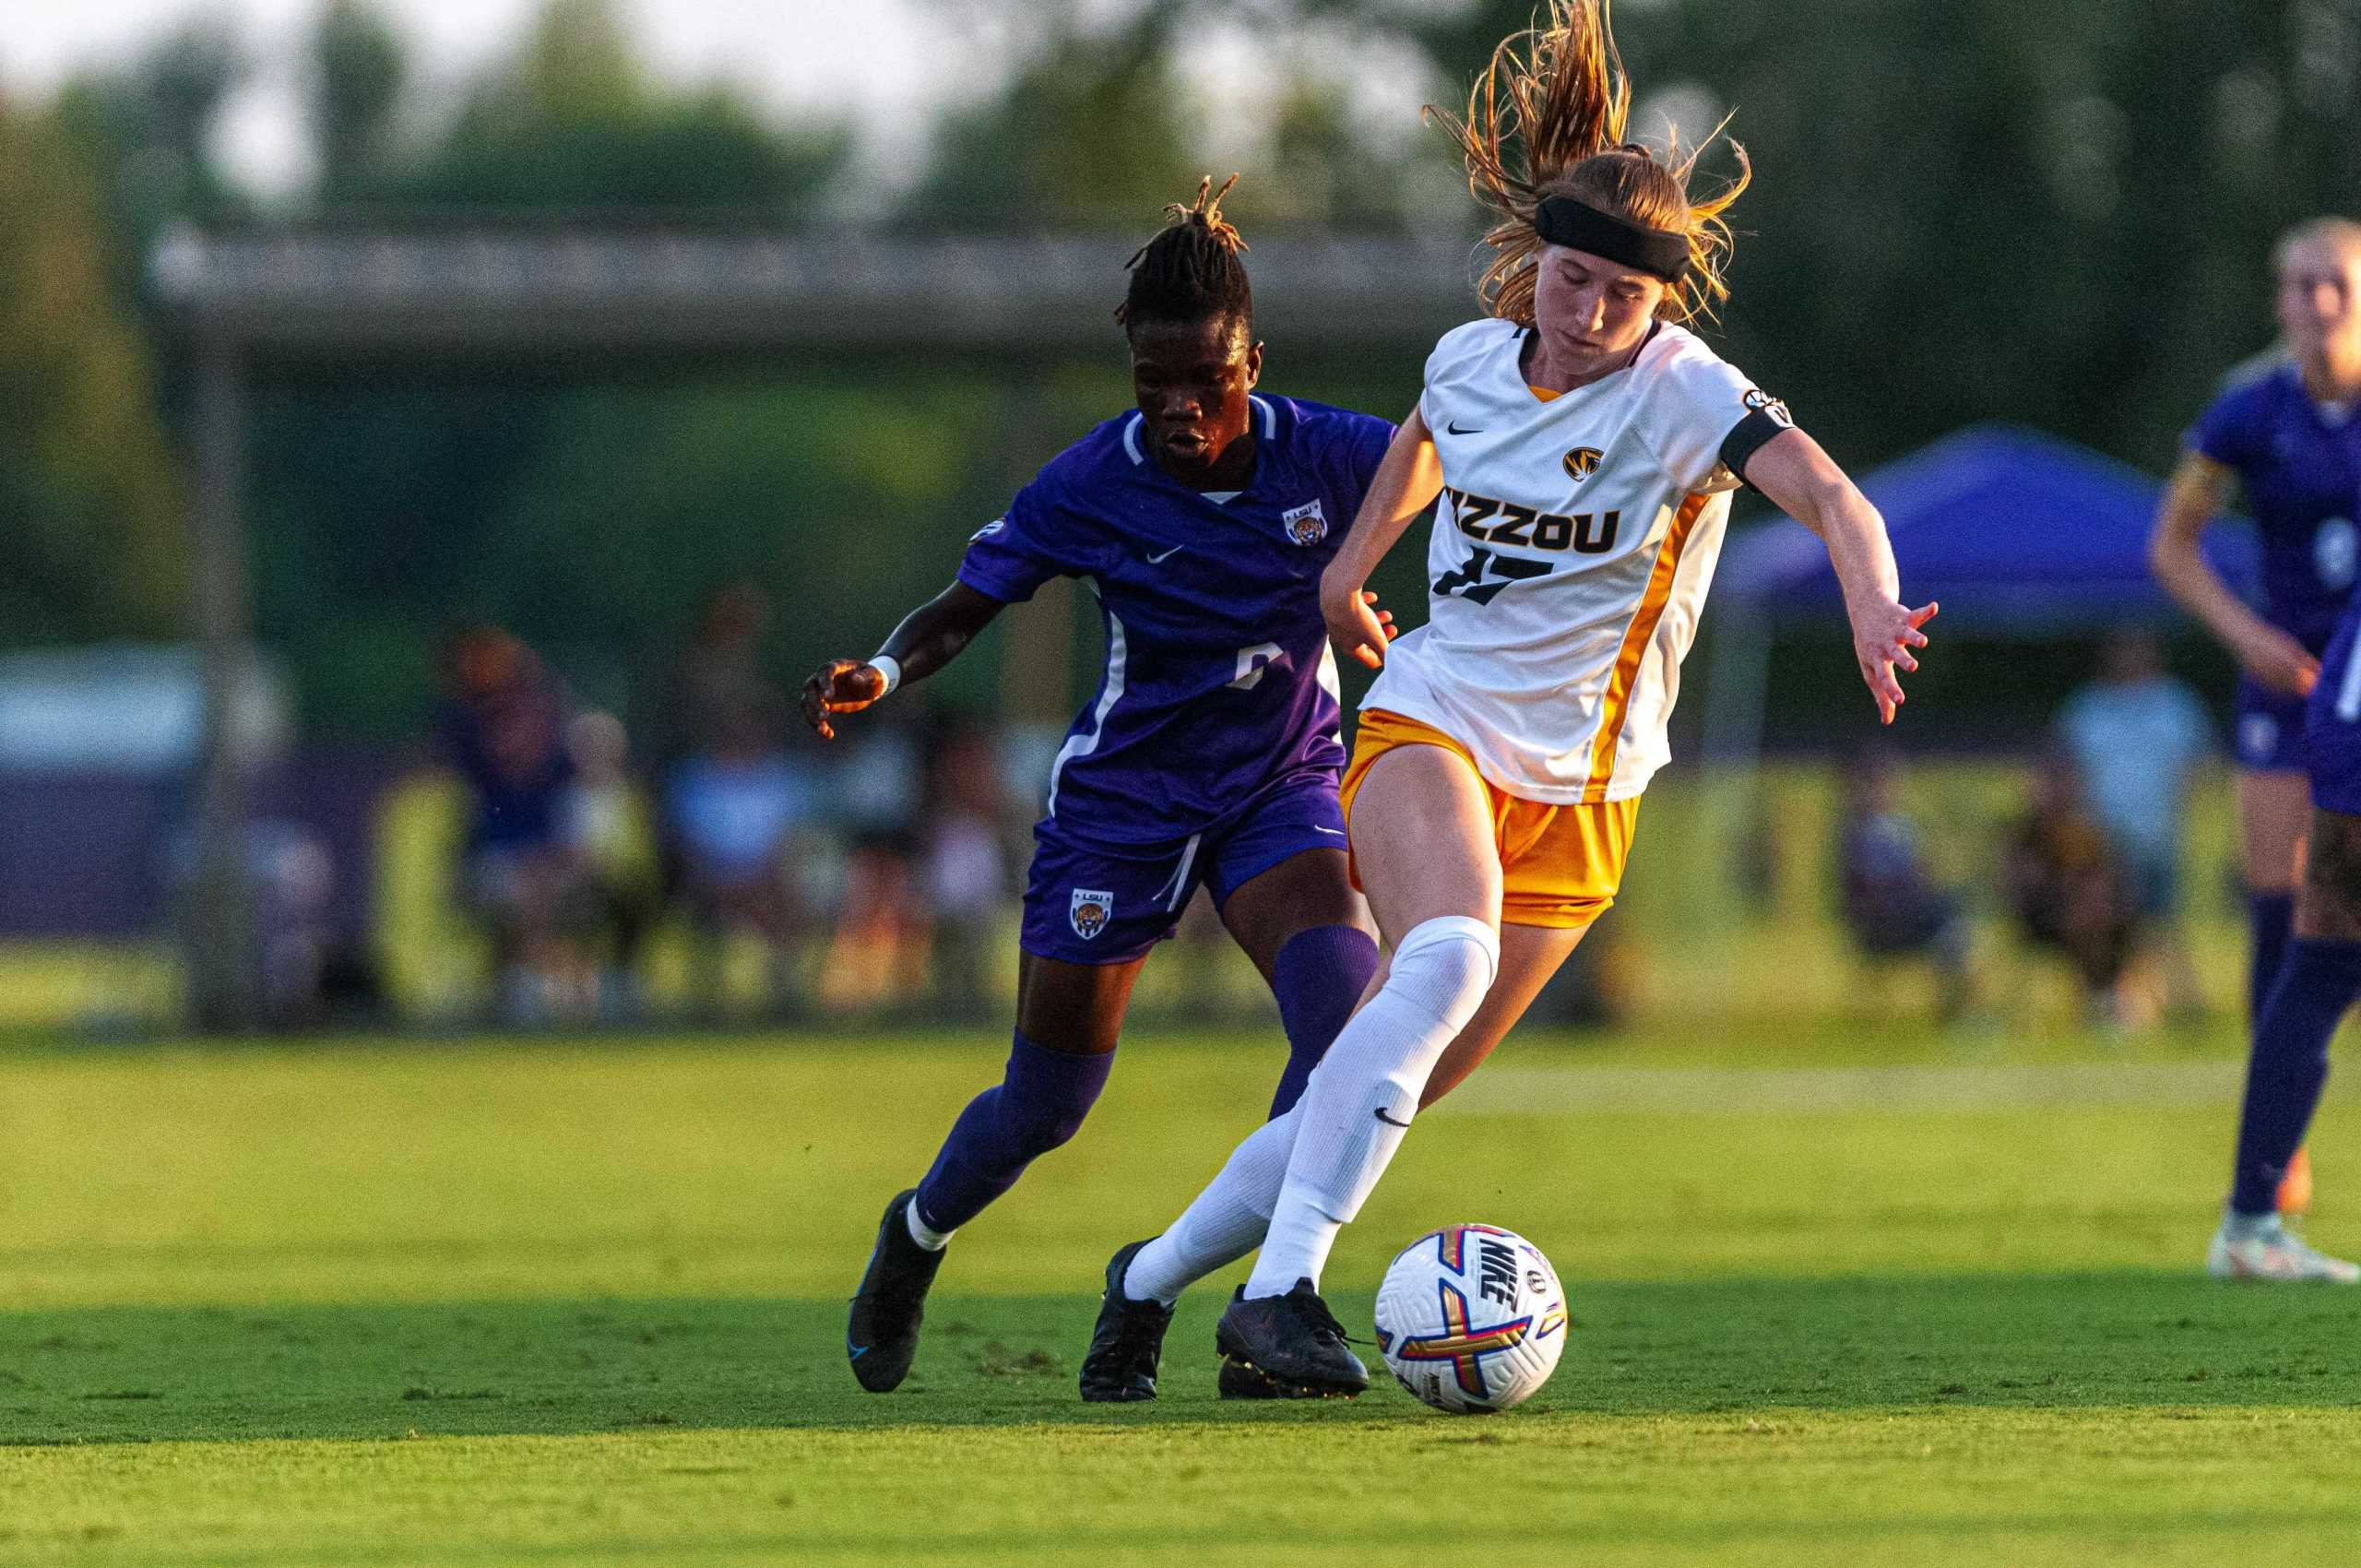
2287, 435
1586, 444
1208, 757
2319, 981
2295, 440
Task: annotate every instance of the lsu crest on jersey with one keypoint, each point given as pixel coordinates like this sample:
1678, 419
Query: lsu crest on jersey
1572, 549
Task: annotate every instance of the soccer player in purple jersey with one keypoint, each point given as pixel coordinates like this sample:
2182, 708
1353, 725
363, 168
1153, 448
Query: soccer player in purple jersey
2317, 986
1209, 756
2287, 433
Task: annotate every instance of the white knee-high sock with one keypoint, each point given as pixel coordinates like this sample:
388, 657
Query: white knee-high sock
1224, 1223
1365, 1090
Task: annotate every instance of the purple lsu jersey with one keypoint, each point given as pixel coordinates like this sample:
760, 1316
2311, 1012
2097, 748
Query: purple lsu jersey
2301, 470
1218, 679
2300, 467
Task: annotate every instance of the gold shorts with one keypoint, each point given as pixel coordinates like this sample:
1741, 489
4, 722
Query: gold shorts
1560, 865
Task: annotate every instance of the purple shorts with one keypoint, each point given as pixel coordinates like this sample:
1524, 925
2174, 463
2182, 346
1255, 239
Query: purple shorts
1090, 902
2332, 726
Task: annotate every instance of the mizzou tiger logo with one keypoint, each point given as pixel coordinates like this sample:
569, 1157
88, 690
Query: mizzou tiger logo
1583, 462
1306, 525
1090, 911
1758, 401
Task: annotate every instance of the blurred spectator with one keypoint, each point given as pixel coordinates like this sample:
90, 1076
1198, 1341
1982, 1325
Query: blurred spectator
716, 676
2068, 892
2136, 734
1892, 905
502, 728
291, 876
611, 898
966, 867
715, 680
733, 808
879, 950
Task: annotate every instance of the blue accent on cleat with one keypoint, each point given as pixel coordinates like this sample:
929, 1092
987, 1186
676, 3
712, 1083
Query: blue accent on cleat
890, 1303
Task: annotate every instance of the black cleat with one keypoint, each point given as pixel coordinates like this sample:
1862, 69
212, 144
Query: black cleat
1126, 1343
881, 1333
1288, 1346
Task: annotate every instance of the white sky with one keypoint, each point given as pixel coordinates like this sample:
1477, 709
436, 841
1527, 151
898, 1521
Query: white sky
884, 61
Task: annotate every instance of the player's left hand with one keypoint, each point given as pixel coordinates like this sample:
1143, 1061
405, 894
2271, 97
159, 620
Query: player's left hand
1357, 627
1883, 634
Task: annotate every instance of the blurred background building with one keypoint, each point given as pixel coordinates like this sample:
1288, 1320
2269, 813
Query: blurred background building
498, 408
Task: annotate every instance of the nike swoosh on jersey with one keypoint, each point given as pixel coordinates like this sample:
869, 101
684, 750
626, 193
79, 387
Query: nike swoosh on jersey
1451, 427
1332, 832
1160, 560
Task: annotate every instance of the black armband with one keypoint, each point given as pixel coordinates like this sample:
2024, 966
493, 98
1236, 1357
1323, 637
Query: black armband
1749, 435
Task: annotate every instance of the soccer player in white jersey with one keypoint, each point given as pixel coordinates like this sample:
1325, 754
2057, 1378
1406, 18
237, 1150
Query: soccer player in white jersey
1576, 450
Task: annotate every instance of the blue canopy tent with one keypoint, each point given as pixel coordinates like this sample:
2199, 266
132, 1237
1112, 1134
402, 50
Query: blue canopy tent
2018, 534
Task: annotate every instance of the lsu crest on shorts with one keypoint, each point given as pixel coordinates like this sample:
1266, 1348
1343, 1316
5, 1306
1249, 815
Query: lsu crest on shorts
1090, 913
1095, 903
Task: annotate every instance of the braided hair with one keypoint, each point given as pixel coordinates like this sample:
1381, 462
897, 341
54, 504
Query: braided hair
1190, 272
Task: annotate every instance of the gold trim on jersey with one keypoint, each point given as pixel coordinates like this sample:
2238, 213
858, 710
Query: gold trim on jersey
1652, 600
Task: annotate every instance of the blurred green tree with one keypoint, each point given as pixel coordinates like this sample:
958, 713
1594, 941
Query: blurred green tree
1094, 128
376, 501
90, 545
360, 68
574, 122
141, 131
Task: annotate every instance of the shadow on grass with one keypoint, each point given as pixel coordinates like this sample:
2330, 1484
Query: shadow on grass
118, 1374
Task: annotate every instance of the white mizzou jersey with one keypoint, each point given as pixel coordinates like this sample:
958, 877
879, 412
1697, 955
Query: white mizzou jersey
1573, 545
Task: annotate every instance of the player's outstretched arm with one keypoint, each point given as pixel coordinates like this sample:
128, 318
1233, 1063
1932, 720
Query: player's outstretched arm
2198, 487
1805, 482
929, 638
1404, 486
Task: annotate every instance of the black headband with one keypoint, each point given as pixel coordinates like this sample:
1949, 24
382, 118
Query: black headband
1563, 221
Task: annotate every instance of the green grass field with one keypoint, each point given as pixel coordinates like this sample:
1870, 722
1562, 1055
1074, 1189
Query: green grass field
545, 1303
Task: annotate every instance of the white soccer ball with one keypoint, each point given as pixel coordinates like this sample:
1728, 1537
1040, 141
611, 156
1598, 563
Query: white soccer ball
1471, 1318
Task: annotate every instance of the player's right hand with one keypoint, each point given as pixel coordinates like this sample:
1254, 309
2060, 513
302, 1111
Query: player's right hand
1357, 627
841, 685
2277, 661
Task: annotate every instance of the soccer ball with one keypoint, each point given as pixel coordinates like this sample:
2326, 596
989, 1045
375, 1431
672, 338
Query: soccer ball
1471, 1318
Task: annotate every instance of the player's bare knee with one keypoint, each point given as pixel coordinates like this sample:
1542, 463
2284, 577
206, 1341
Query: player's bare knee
2329, 905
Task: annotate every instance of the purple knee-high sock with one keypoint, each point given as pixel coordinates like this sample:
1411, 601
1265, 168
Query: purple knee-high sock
1318, 977
2317, 984
2270, 916
1039, 1104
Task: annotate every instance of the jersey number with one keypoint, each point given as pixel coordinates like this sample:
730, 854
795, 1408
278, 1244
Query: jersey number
1469, 581
1253, 661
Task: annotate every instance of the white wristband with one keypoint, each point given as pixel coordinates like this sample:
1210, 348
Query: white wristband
889, 666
